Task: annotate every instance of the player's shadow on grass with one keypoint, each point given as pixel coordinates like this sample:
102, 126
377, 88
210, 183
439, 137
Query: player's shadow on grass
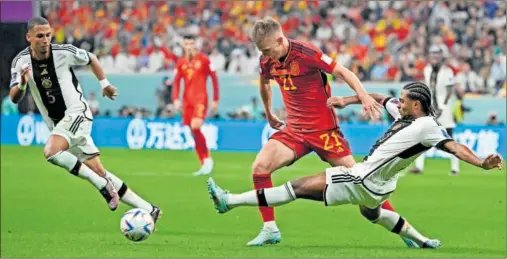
401, 247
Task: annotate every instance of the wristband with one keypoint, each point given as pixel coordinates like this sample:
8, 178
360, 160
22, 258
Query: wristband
104, 83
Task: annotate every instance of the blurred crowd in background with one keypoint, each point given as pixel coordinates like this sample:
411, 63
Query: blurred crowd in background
380, 41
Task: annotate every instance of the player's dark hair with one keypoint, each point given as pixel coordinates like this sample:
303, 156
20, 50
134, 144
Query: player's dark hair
189, 36
36, 21
421, 92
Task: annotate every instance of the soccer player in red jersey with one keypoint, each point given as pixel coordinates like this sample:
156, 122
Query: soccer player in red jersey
299, 68
195, 67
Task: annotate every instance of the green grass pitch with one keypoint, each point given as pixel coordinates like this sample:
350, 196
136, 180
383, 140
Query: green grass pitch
46, 212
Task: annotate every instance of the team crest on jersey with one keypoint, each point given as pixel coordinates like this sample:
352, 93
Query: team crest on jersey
46, 82
294, 68
197, 64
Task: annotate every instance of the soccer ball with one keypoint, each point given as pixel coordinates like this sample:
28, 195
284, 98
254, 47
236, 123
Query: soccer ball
137, 225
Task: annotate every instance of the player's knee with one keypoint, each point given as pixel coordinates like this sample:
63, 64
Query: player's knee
370, 214
261, 168
49, 152
196, 124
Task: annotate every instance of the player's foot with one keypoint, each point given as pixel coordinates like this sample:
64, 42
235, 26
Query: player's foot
454, 173
110, 195
432, 243
410, 243
155, 213
207, 167
218, 196
266, 237
416, 170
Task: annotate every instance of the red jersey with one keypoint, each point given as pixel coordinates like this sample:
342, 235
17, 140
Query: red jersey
195, 73
304, 86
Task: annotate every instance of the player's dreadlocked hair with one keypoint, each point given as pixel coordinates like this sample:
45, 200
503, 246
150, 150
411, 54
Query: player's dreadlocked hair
421, 92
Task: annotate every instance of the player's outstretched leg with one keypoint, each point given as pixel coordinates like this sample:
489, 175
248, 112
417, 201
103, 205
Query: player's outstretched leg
387, 206
126, 194
310, 187
393, 222
55, 153
201, 148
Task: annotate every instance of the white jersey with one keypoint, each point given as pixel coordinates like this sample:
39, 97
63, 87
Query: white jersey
393, 152
53, 84
438, 81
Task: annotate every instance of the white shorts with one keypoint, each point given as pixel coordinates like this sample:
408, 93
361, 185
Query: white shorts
77, 129
343, 186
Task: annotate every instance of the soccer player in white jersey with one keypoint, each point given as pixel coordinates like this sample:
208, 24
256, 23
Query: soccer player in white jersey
47, 69
370, 182
440, 78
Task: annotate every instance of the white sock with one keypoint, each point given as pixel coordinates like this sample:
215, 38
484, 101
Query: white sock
274, 196
128, 196
393, 222
410, 232
70, 162
419, 162
454, 163
388, 219
243, 199
271, 225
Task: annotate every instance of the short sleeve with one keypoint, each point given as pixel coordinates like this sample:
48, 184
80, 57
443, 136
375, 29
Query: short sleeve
264, 69
316, 58
434, 135
15, 73
323, 62
76, 56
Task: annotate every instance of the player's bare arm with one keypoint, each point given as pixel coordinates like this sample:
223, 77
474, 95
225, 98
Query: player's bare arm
265, 91
342, 102
216, 94
176, 90
369, 104
107, 89
18, 91
464, 153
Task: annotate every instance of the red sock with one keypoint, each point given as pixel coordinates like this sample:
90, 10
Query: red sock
200, 144
387, 206
264, 181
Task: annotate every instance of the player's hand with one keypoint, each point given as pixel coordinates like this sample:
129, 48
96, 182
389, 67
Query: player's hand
274, 121
25, 73
371, 107
110, 91
177, 105
337, 102
214, 107
492, 161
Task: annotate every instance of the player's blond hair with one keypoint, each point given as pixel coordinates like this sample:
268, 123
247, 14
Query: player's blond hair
264, 27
